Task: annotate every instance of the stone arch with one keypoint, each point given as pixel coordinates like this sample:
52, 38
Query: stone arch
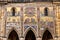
46, 11
12, 30
28, 30
30, 35
13, 10
48, 31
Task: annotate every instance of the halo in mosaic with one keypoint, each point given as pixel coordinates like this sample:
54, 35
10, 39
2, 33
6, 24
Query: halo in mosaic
27, 20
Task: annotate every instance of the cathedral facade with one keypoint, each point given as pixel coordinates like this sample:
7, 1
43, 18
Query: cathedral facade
29, 20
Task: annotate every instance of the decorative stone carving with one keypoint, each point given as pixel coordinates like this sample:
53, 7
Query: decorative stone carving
30, 11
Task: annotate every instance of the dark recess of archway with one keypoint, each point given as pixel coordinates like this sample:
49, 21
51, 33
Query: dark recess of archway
13, 36
47, 35
30, 35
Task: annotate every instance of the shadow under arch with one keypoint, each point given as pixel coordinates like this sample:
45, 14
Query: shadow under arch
13, 33
47, 35
32, 29
30, 35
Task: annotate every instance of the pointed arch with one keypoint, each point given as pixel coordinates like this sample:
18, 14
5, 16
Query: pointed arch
13, 9
11, 31
30, 35
13, 35
47, 35
46, 11
32, 30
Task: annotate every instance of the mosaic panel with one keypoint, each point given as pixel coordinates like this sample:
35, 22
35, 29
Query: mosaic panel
33, 21
25, 27
50, 24
35, 27
30, 21
30, 15
30, 11
47, 24
27, 20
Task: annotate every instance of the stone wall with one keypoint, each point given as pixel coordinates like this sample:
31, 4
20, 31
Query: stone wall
29, 16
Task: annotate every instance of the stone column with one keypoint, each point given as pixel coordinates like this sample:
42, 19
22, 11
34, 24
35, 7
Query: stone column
38, 38
21, 38
3, 38
56, 38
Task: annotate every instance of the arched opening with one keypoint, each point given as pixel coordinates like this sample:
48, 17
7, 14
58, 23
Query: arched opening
30, 35
13, 11
46, 11
47, 35
13, 36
